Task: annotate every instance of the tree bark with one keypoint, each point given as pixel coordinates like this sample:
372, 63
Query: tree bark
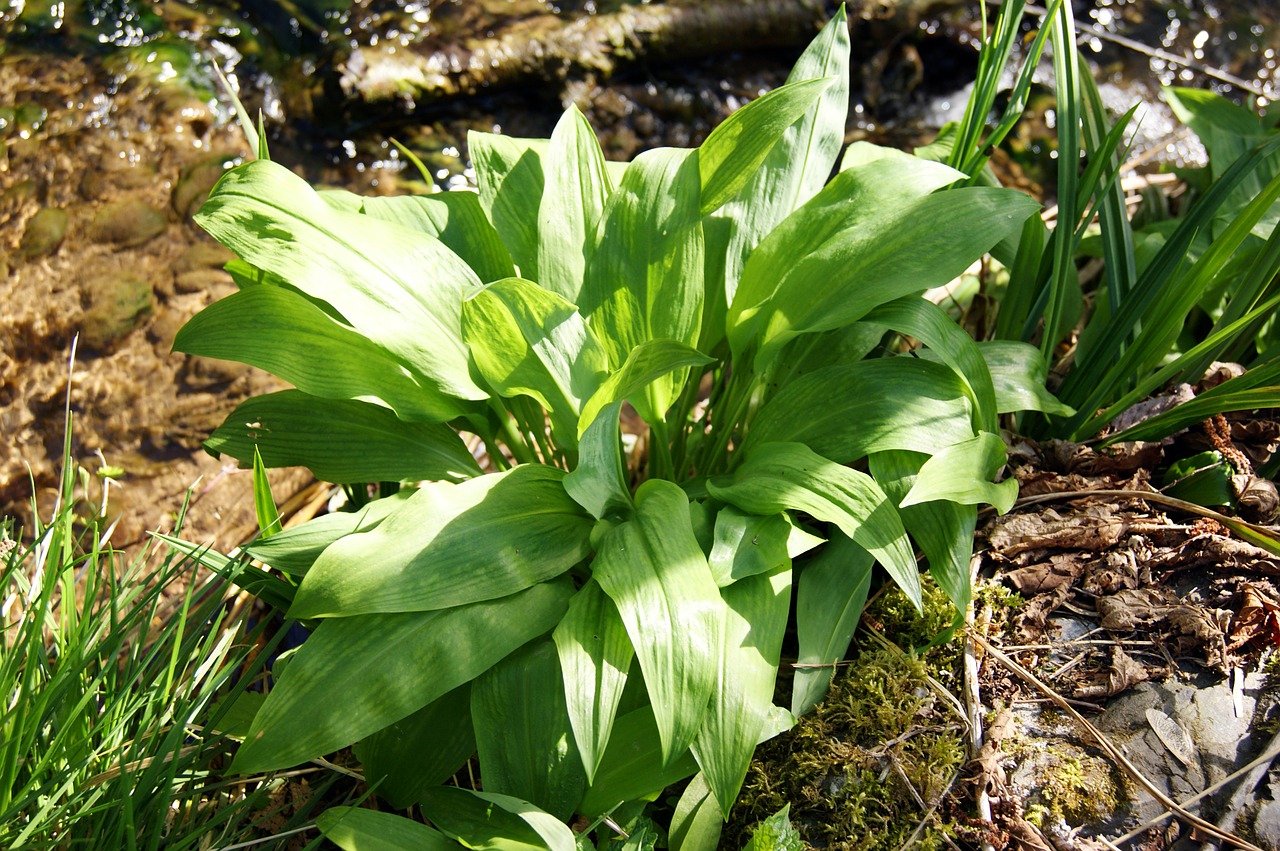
547, 48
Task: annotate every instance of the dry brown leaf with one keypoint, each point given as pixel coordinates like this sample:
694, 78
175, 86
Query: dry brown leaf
1258, 620
1095, 528
1044, 577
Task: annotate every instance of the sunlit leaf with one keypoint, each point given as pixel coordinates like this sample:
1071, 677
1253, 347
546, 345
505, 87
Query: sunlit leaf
577, 189
651, 361
295, 550
510, 177
454, 218
355, 829
962, 473
696, 824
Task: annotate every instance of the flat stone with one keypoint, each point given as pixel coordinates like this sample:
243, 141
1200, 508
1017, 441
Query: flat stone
196, 180
125, 224
44, 233
116, 305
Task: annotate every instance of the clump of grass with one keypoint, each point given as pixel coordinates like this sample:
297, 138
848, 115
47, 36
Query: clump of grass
118, 678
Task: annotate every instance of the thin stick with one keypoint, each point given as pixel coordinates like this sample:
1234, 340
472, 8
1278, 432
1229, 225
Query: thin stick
1111, 750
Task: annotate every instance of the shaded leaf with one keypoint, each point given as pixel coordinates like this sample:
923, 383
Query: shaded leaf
633, 766
355, 829
486, 820
450, 545
355, 676
646, 363
599, 483
291, 428
831, 591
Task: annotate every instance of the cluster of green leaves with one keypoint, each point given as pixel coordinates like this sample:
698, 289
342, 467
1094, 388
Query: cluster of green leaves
115, 680
1178, 292
602, 614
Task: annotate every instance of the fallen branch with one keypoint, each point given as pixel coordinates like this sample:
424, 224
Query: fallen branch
547, 48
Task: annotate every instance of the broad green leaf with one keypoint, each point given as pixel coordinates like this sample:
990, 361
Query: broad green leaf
696, 824
487, 821
355, 676
757, 609
931, 325
398, 287
341, 441
421, 750
792, 173
595, 655
528, 341
454, 218
1018, 374
599, 482
355, 829
294, 550
644, 280
733, 152
264, 504
523, 734
942, 529
655, 573
789, 476
577, 189
776, 833
866, 239
748, 544
270, 588
450, 545
831, 590
282, 332
510, 178
646, 363
962, 473
848, 411
633, 766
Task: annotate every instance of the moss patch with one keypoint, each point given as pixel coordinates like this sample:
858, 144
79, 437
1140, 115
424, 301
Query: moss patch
852, 771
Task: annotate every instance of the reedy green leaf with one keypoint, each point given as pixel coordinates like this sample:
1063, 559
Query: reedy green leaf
450, 545
354, 676
510, 178
848, 411
577, 189
454, 218
341, 441
741, 703
1200, 409
599, 482
962, 473
421, 750
487, 821
654, 571
282, 332
528, 341
831, 590
356, 829
595, 655
522, 729
789, 476
264, 504
647, 363
738, 146
372, 273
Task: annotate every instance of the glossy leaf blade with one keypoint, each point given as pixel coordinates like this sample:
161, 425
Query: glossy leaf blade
599, 483
291, 428
356, 829
282, 332
757, 610
747, 545
729, 157
789, 476
595, 656
647, 363
573, 202
450, 545
848, 411
294, 550
962, 474
354, 676
528, 341
831, 591
370, 272
523, 735
633, 765
509, 175
487, 821
655, 573
421, 750
454, 218
696, 824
